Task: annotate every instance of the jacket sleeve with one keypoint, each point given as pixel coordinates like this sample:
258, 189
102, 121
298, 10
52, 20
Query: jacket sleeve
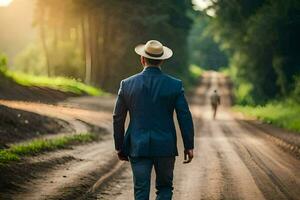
119, 117
184, 118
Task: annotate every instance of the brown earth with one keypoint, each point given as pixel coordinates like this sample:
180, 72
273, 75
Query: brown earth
11, 91
63, 173
233, 160
18, 125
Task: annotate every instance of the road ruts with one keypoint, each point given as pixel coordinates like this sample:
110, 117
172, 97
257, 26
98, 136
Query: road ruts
232, 160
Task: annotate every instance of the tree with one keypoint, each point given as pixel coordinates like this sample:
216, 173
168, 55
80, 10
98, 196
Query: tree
106, 33
261, 36
203, 50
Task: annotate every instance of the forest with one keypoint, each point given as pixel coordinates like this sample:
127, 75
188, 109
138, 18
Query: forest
234, 118
95, 39
254, 41
261, 39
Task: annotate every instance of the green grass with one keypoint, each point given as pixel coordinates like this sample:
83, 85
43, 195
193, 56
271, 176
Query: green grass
194, 74
34, 147
195, 71
225, 70
58, 83
283, 114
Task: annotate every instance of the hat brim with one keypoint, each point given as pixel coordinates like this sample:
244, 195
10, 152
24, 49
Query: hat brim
140, 50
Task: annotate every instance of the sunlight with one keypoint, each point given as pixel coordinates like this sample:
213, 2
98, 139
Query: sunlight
5, 3
203, 5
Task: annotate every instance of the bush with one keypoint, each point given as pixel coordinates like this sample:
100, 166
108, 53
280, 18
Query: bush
31, 60
3, 63
284, 114
195, 71
58, 83
65, 60
296, 92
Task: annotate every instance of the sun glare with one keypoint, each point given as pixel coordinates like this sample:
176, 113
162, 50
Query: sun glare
4, 3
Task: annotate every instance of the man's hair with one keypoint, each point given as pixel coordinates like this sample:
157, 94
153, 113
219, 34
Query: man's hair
153, 61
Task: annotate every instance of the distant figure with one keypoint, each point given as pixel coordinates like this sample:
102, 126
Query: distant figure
151, 97
215, 102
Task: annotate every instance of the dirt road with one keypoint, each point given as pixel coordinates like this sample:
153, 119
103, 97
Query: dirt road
233, 160
67, 173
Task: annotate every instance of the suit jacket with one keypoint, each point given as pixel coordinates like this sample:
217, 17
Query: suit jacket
151, 98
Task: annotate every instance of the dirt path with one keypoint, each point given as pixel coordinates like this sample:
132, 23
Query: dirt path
68, 173
233, 161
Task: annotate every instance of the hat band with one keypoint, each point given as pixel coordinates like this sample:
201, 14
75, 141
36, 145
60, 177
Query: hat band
154, 55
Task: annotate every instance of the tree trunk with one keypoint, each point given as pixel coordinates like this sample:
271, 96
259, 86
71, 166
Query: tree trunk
86, 50
93, 33
44, 44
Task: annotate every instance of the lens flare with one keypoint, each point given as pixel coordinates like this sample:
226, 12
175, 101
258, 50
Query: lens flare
5, 3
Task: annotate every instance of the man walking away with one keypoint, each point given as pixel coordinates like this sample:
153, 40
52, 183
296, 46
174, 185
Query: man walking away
151, 97
215, 102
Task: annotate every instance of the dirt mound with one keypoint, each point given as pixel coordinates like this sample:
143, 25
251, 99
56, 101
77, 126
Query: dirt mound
17, 125
12, 91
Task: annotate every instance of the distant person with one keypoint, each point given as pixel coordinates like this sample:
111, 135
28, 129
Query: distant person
151, 97
215, 102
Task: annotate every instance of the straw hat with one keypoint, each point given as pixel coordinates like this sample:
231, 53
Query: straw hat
153, 49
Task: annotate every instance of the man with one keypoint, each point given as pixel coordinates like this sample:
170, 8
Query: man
150, 140
215, 102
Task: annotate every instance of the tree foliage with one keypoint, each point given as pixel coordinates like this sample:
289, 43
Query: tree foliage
262, 37
203, 50
105, 33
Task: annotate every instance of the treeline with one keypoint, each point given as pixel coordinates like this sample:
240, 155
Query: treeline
204, 51
262, 39
94, 40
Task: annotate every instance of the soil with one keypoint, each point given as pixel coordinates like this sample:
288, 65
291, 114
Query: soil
232, 160
18, 125
45, 176
11, 91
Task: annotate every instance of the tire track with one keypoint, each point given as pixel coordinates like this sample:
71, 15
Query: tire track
265, 178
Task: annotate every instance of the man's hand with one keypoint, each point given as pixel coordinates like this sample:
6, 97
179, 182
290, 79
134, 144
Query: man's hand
188, 156
121, 156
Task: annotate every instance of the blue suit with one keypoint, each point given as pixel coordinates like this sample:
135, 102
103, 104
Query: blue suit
151, 97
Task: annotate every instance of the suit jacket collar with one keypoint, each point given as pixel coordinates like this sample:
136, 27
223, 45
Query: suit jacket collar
152, 70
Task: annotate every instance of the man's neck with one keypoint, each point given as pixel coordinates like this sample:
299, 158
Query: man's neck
146, 66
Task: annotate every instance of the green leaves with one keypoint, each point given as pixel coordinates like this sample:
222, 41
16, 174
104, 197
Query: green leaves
265, 35
3, 63
106, 33
284, 114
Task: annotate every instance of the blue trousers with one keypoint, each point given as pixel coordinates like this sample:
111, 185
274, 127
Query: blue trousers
141, 169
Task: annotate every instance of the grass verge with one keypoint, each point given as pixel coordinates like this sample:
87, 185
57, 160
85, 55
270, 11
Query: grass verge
195, 71
57, 83
34, 147
191, 80
283, 114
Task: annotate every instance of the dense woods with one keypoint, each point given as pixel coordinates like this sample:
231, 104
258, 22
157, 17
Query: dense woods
95, 39
204, 51
262, 40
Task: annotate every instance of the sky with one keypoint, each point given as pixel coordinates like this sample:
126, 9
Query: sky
4, 3
16, 27
202, 5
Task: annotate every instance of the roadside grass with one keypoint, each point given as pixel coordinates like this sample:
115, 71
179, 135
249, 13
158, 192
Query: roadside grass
195, 71
57, 83
34, 147
285, 114
194, 74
